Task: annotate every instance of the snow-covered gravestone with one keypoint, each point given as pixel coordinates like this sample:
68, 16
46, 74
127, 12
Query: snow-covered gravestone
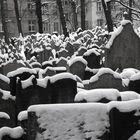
4, 119
22, 73
63, 88
15, 133
106, 78
12, 65
35, 65
63, 53
92, 56
4, 82
47, 54
124, 119
77, 66
68, 121
70, 49
123, 48
7, 105
61, 62
81, 51
98, 95
46, 64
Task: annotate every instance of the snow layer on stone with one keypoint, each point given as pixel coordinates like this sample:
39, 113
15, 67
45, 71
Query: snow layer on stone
6, 95
64, 75
4, 78
135, 136
125, 106
76, 59
4, 115
90, 51
23, 115
20, 71
71, 121
80, 85
127, 74
43, 82
104, 71
116, 33
28, 82
96, 95
59, 68
125, 82
135, 77
129, 95
15, 133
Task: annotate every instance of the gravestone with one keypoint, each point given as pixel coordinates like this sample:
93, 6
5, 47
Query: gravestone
81, 51
70, 49
7, 105
123, 48
77, 66
92, 56
106, 78
63, 53
61, 62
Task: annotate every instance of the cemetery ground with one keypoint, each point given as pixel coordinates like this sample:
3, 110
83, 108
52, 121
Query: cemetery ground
83, 87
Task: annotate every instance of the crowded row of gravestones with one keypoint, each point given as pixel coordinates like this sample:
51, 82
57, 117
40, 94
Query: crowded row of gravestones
67, 93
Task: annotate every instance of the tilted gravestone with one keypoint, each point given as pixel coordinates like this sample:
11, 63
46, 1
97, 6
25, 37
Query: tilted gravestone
70, 49
123, 48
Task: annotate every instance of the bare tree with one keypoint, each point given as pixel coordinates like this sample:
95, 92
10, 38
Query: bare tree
39, 15
18, 18
4, 23
62, 18
83, 16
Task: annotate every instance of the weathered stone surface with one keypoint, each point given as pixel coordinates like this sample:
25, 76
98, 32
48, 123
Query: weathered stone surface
4, 82
124, 51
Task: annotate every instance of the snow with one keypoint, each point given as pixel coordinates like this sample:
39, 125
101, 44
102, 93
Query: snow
126, 74
20, 71
104, 71
135, 77
28, 82
16, 132
71, 121
129, 95
96, 95
76, 59
6, 95
64, 75
90, 51
43, 82
125, 106
23, 115
4, 78
4, 115
135, 136
115, 33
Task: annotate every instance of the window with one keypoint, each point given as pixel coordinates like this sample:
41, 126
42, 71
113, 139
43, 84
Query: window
30, 4
31, 25
46, 27
99, 6
55, 26
99, 22
45, 8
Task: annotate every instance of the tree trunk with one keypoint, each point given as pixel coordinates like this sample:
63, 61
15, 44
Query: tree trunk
62, 18
4, 24
83, 16
107, 11
18, 17
75, 21
39, 15
130, 11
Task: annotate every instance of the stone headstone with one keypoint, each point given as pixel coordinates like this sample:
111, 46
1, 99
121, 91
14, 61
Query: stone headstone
123, 48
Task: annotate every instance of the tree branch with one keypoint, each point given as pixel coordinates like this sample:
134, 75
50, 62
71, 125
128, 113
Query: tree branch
138, 11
